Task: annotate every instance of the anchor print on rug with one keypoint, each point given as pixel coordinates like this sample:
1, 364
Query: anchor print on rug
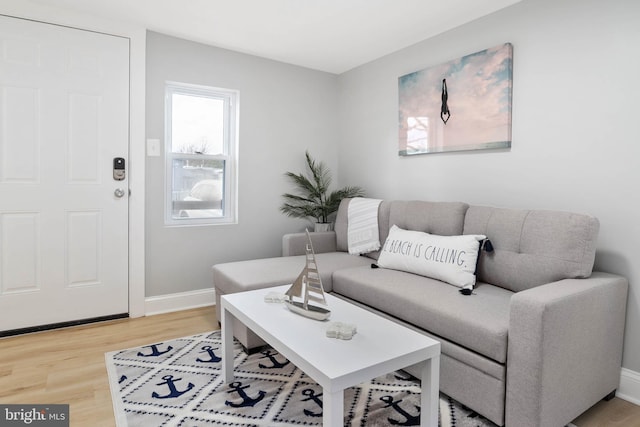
408, 419
271, 355
401, 409
267, 362
169, 388
155, 350
250, 398
212, 355
173, 390
304, 404
316, 398
237, 387
156, 353
204, 354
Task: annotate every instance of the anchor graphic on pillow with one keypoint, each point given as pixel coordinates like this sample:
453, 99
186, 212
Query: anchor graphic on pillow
173, 391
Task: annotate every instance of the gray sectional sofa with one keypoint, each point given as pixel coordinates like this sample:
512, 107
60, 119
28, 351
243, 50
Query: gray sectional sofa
537, 343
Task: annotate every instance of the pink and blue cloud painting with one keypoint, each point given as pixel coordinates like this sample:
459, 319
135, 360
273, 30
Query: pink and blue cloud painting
464, 104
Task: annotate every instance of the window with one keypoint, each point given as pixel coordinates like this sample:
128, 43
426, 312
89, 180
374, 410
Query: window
201, 146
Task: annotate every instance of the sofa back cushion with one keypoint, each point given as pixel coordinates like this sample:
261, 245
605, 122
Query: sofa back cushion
532, 247
442, 218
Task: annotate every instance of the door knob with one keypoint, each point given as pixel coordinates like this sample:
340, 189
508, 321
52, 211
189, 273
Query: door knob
119, 192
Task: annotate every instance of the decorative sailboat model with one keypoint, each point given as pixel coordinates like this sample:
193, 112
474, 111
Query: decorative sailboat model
308, 287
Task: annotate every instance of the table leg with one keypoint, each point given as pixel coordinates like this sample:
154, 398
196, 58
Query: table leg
430, 398
332, 408
227, 344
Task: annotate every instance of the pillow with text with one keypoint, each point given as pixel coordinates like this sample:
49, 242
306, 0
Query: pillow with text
451, 259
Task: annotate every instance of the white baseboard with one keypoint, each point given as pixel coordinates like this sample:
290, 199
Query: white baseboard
180, 301
629, 386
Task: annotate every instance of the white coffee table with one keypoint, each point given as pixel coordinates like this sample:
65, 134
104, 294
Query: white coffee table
379, 347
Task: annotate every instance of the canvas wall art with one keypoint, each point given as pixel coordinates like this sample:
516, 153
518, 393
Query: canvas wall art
464, 104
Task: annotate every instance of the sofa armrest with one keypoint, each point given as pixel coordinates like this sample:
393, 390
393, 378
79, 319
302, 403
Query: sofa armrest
295, 243
565, 348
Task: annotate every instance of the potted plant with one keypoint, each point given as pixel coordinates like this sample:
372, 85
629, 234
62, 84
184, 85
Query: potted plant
312, 198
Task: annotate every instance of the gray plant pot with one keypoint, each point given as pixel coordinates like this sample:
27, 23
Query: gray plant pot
323, 226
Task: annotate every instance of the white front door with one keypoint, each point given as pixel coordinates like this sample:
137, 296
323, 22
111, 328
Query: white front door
64, 117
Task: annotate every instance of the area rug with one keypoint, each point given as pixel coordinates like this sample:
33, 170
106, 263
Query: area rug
179, 383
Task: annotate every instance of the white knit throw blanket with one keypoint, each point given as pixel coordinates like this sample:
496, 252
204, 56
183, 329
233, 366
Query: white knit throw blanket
362, 225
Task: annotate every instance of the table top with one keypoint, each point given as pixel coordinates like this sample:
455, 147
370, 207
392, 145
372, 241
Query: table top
379, 346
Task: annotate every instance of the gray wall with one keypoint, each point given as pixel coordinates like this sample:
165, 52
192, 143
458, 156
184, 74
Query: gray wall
284, 110
576, 138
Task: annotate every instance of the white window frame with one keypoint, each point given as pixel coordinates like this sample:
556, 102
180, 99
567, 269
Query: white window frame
229, 156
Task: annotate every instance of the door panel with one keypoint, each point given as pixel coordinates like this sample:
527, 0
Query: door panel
64, 116
21, 264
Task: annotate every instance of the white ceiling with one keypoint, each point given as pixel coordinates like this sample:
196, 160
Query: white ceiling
327, 35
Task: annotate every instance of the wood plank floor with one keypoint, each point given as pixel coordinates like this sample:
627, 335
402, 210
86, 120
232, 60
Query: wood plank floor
67, 366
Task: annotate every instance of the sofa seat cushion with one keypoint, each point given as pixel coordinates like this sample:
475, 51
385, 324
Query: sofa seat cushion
242, 276
478, 322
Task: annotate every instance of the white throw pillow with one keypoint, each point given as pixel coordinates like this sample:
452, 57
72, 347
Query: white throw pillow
451, 259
